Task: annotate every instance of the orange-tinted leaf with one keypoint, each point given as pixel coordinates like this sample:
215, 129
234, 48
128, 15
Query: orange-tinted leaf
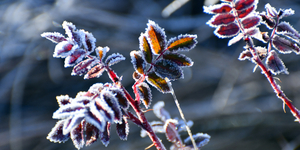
156, 37
168, 69
95, 72
159, 83
226, 31
242, 4
145, 48
179, 59
221, 19
250, 22
138, 62
101, 52
182, 43
145, 94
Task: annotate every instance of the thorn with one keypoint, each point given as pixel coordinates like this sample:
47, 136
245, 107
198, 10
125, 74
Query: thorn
144, 111
149, 146
277, 79
284, 107
254, 69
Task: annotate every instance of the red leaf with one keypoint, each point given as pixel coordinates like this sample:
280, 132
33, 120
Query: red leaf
64, 49
221, 19
84, 66
218, 8
112, 102
285, 46
74, 58
250, 22
244, 12
275, 64
171, 132
242, 4
156, 37
226, 31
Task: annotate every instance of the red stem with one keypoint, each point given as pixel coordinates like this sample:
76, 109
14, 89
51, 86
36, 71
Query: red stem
136, 107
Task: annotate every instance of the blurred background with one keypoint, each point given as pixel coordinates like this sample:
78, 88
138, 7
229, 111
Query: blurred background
221, 94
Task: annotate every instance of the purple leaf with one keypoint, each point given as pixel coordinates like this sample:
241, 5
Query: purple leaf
55, 37
63, 100
56, 134
159, 83
182, 43
226, 31
138, 62
89, 42
218, 8
271, 11
285, 46
95, 72
112, 102
72, 122
114, 59
251, 21
275, 64
123, 129
105, 135
221, 19
168, 69
68, 110
285, 28
160, 112
74, 58
145, 94
77, 136
156, 37
91, 134
84, 66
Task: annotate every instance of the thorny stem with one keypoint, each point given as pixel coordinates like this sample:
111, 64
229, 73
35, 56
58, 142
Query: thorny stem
135, 105
181, 114
280, 94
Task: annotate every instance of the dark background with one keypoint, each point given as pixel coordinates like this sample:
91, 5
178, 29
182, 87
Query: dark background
222, 95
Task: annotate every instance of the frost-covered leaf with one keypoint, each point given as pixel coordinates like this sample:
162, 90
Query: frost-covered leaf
275, 64
123, 129
159, 83
138, 62
268, 21
286, 29
182, 43
245, 12
64, 49
105, 135
89, 42
226, 31
218, 8
171, 132
200, 139
75, 36
92, 119
156, 37
112, 102
246, 54
179, 59
55, 37
145, 94
72, 122
101, 52
136, 76
157, 127
68, 110
74, 58
102, 110
271, 11
77, 136
84, 66
285, 13
251, 21
56, 134
145, 48
91, 134
160, 112
63, 100
235, 39
95, 72
114, 59
285, 46
180, 126
243, 4
221, 19
120, 95
168, 69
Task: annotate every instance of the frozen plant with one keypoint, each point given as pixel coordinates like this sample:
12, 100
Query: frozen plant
239, 20
89, 116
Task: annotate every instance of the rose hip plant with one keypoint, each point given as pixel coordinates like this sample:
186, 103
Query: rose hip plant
89, 116
239, 20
